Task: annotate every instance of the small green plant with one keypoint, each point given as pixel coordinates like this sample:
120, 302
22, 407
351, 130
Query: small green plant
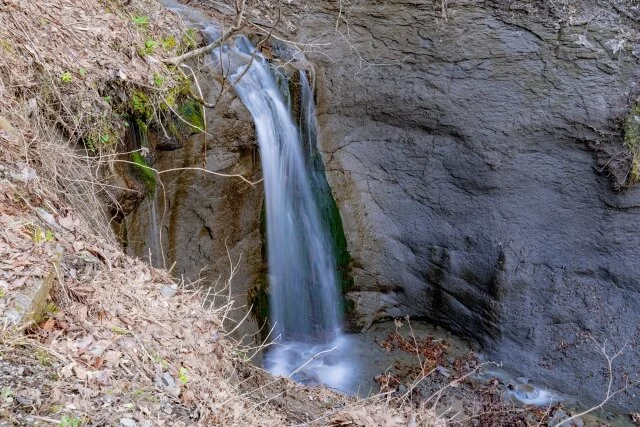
40, 236
82, 72
242, 355
118, 330
147, 174
37, 235
51, 308
2, 294
159, 360
43, 357
169, 43
54, 409
6, 46
6, 393
140, 104
141, 20
182, 375
90, 143
66, 77
158, 80
150, 46
69, 421
47, 311
189, 38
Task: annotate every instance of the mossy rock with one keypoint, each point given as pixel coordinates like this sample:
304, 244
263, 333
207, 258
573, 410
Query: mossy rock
632, 141
191, 111
258, 299
141, 105
144, 172
190, 122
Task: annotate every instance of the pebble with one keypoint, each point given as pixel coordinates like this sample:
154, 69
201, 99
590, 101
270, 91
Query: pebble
24, 401
168, 291
27, 174
443, 371
128, 422
167, 380
560, 415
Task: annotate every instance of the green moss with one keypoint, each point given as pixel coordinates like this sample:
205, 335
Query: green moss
141, 105
148, 48
142, 126
632, 141
330, 215
144, 171
189, 40
191, 111
258, 294
258, 298
169, 43
178, 100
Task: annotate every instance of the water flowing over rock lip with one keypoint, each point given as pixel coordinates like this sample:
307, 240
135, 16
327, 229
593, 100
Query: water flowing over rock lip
304, 302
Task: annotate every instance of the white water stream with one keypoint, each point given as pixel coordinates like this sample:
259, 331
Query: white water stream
304, 301
303, 286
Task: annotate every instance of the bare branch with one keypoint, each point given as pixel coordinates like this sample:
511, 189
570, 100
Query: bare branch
205, 49
237, 26
610, 394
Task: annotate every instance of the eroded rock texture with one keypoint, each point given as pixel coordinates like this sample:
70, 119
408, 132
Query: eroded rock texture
474, 162
206, 222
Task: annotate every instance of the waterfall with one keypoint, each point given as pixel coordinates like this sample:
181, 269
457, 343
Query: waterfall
302, 273
303, 285
305, 306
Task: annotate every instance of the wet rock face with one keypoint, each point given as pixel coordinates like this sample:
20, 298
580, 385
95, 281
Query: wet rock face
469, 161
206, 221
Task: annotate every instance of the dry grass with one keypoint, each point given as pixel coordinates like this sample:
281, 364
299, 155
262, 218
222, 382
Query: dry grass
121, 340
67, 75
113, 346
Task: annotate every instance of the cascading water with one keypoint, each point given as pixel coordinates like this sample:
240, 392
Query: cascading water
302, 273
155, 254
304, 299
303, 286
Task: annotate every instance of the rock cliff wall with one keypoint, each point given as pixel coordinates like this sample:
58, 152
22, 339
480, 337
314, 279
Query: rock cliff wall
204, 221
475, 161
